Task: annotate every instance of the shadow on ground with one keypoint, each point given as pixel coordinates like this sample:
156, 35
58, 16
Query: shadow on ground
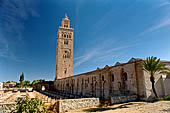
100, 109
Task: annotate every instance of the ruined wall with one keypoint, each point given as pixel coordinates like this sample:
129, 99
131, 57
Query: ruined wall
124, 79
110, 81
140, 81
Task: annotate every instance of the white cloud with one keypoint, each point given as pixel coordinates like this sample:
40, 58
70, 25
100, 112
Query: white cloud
165, 3
101, 52
89, 55
164, 21
13, 15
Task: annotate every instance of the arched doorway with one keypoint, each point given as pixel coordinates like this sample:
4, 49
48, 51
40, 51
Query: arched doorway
42, 88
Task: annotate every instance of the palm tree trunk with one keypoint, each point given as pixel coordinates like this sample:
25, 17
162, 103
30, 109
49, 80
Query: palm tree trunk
152, 79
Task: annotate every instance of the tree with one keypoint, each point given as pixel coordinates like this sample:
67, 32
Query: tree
26, 83
9, 81
152, 66
36, 81
21, 79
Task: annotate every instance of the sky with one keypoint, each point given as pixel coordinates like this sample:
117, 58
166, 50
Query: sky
105, 32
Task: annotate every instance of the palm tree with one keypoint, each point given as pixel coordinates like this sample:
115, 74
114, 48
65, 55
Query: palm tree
152, 65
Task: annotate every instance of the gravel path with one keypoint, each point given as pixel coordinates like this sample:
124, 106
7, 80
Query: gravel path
131, 107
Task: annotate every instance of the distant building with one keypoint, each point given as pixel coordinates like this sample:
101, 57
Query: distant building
1, 85
10, 84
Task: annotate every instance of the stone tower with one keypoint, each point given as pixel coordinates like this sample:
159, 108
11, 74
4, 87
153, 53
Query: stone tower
64, 54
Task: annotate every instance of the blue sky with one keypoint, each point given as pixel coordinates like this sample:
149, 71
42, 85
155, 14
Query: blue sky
106, 31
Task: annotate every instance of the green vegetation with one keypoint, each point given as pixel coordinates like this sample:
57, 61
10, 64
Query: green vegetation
164, 98
9, 81
26, 83
36, 81
21, 79
33, 105
152, 65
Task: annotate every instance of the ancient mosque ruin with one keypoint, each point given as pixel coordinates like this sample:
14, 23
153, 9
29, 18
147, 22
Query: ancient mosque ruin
121, 79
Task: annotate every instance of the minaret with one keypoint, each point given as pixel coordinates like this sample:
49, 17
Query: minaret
64, 54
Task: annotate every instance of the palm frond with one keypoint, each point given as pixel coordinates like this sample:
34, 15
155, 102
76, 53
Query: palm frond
153, 65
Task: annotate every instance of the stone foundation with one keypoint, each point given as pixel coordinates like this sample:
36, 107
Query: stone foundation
71, 104
121, 99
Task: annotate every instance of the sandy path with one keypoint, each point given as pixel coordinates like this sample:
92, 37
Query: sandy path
131, 107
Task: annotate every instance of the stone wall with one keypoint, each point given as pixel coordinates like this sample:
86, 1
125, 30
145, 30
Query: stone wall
119, 80
44, 98
161, 85
71, 104
121, 99
166, 85
1, 93
48, 85
101, 83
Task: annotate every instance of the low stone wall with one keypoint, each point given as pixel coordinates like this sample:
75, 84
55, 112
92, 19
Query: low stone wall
2, 93
45, 98
71, 104
121, 99
7, 108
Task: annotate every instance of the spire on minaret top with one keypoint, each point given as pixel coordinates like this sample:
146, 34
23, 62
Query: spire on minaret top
65, 22
66, 16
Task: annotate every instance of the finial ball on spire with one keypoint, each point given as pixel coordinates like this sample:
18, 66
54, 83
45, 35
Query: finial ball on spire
66, 15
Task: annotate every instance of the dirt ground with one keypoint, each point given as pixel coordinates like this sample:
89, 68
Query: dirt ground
130, 107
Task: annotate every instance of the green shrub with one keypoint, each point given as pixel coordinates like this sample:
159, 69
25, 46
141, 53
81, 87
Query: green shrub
33, 105
157, 99
164, 98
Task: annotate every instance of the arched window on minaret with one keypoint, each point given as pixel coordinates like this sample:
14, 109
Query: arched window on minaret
66, 42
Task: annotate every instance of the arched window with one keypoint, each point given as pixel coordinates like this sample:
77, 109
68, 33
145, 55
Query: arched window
65, 23
65, 71
64, 35
102, 78
66, 42
113, 78
125, 76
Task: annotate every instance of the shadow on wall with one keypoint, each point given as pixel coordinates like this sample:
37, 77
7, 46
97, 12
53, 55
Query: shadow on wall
167, 86
162, 87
